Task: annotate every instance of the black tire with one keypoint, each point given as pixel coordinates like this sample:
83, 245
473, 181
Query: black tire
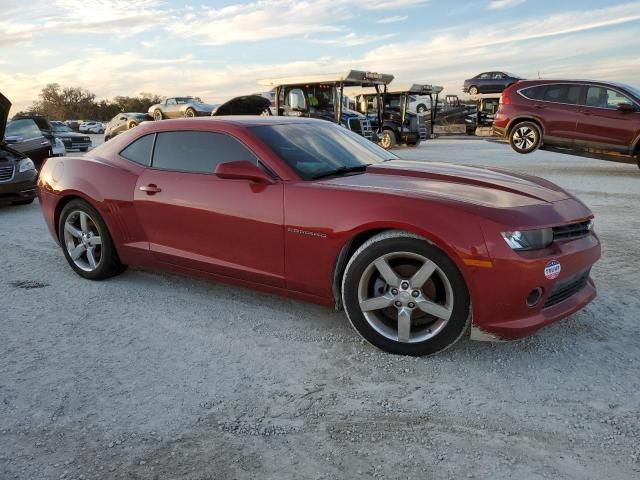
157, 115
473, 90
413, 144
190, 113
421, 108
388, 139
525, 137
23, 202
388, 243
109, 264
131, 125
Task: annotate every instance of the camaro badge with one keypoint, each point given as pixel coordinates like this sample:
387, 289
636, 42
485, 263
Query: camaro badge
552, 269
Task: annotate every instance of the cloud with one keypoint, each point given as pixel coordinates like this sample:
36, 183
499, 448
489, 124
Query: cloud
502, 4
352, 39
399, 18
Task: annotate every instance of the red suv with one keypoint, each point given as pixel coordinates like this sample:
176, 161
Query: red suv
599, 117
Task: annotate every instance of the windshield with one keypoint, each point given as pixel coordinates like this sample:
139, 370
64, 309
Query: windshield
633, 91
60, 128
314, 149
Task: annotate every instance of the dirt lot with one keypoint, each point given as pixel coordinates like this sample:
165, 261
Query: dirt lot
153, 376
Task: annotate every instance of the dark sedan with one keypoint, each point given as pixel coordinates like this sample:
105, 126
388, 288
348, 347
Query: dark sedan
489, 82
71, 139
17, 172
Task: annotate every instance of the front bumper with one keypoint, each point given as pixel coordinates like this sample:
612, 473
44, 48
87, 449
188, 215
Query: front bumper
22, 187
76, 144
501, 311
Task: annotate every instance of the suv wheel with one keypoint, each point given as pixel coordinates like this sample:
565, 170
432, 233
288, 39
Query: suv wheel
404, 295
525, 137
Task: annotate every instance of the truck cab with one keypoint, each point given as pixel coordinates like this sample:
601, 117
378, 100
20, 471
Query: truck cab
322, 97
392, 117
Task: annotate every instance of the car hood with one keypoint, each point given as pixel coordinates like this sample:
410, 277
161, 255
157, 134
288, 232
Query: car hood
5, 106
479, 186
69, 135
244, 105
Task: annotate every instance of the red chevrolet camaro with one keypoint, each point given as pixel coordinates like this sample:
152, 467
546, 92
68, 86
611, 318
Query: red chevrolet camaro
414, 252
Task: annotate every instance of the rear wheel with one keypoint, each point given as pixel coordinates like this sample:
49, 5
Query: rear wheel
86, 242
473, 90
189, 113
525, 137
404, 295
388, 139
131, 125
157, 114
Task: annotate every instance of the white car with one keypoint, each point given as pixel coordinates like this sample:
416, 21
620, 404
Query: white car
91, 127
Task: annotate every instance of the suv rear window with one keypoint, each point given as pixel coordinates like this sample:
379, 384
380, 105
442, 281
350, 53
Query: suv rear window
534, 93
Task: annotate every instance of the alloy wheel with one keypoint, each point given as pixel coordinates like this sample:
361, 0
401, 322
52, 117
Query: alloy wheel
524, 138
189, 113
157, 115
83, 241
405, 297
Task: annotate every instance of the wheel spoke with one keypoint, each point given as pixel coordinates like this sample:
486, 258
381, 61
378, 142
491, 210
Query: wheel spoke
387, 272
376, 303
77, 251
404, 324
93, 241
91, 257
72, 230
421, 276
432, 308
84, 226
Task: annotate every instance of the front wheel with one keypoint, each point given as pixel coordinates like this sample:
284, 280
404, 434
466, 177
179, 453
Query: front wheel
388, 139
404, 295
189, 113
86, 242
157, 115
525, 137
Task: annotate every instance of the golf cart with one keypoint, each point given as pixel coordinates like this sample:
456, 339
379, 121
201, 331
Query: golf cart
322, 96
398, 124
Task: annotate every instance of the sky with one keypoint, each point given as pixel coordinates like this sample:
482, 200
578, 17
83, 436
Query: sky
218, 49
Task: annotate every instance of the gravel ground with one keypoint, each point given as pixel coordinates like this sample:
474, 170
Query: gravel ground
154, 376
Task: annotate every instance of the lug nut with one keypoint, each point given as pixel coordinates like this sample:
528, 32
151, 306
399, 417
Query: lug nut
404, 285
394, 291
412, 305
415, 294
398, 304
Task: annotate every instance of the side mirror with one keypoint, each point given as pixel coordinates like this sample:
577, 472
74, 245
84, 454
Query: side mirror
243, 170
626, 107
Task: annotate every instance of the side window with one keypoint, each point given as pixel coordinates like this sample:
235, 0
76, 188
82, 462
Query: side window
139, 151
295, 99
498, 76
534, 93
171, 101
198, 152
484, 76
605, 98
562, 94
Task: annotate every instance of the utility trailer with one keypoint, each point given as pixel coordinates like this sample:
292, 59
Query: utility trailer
392, 118
322, 96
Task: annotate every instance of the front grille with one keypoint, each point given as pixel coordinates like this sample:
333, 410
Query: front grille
355, 125
571, 231
6, 173
566, 288
367, 131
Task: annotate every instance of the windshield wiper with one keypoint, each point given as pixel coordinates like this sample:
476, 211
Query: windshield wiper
340, 171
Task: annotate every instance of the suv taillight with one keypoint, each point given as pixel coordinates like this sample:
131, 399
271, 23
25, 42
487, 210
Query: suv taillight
504, 99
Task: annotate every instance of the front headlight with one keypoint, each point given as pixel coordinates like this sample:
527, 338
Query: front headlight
25, 164
529, 239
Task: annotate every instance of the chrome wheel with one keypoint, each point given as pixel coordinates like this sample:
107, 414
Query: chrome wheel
473, 91
83, 241
405, 297
525, 138
189, 113
157, 115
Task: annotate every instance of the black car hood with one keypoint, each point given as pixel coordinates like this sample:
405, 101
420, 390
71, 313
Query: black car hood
244, 105
5, 106
69, 134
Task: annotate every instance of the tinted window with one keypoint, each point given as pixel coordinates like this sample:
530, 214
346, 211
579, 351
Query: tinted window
27, 129
484, 76
197, 151
605, 98
534, 93
312, 149
562, 94
140, 150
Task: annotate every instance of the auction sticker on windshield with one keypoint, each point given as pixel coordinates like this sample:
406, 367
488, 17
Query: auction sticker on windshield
552, 269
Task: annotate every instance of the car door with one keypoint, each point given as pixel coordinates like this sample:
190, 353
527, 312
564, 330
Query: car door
602, 125
196, 220
483, 81
558, 111
25, 136
170, 109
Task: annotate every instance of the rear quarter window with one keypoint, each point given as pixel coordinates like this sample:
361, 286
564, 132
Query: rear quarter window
139, 151
534, 93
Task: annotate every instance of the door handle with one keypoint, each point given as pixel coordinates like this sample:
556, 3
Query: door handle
46, 142
150, 189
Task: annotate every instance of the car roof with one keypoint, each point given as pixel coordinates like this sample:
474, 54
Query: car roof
243, 121
544, 81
